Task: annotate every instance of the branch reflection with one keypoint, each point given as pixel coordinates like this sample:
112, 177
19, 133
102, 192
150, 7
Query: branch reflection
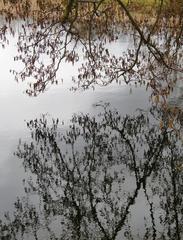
85, 181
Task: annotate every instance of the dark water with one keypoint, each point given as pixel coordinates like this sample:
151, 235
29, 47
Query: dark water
115, 174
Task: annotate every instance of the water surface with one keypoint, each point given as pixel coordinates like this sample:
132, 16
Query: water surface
136, 179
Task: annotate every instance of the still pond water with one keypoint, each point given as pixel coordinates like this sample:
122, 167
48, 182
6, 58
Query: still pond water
125, 198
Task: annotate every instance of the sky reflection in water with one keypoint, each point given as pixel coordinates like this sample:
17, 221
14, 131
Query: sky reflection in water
16, 108
134, 160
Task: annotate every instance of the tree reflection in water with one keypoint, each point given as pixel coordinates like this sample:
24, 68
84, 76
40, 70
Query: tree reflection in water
87, 178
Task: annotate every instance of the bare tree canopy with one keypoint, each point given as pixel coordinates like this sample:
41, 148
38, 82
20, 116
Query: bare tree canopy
76, 30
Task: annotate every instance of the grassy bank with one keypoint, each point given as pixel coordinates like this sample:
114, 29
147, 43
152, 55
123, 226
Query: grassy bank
143, 11
141, 5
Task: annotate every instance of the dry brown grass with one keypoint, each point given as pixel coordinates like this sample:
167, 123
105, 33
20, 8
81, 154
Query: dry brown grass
137, 7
